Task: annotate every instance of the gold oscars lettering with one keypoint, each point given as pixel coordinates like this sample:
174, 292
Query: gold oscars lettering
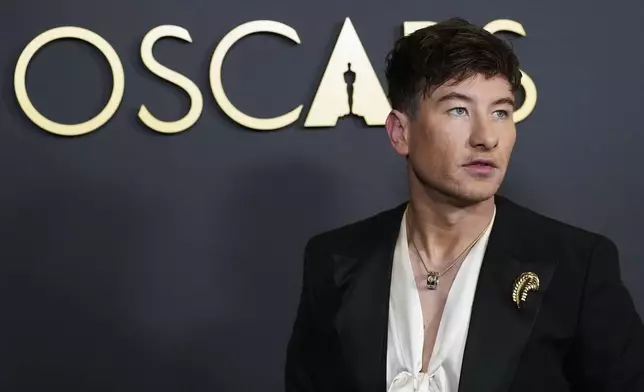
349, 85
216, 64
118, 81
196, 99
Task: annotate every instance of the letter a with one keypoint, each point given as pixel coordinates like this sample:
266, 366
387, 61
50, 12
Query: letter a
335, 95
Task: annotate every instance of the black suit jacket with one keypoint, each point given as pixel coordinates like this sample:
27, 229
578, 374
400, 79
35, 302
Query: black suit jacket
579, 332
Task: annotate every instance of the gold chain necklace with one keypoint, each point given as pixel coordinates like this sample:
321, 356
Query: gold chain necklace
433, 277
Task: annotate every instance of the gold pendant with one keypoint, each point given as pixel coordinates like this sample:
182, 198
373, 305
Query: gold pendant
432, 280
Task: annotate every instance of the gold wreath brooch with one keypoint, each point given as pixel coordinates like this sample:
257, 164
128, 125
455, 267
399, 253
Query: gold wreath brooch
526, 282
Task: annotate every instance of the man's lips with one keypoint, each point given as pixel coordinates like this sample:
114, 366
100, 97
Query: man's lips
481, 167
481, 162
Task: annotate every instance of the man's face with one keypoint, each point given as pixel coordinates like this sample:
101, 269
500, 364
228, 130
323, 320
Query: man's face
460, 140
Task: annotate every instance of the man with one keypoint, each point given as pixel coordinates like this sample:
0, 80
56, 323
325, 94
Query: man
461, 289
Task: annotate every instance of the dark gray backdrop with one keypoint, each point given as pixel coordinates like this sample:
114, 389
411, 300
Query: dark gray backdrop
135, 261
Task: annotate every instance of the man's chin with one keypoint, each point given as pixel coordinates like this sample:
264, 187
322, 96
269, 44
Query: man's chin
475, 195
465, 193
478, 198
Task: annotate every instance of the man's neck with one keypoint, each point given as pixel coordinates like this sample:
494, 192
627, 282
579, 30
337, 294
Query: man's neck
442, 228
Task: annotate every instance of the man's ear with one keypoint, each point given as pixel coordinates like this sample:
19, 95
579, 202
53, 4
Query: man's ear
397, 125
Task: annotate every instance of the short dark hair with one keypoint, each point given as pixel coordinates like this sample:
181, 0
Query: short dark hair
453, 49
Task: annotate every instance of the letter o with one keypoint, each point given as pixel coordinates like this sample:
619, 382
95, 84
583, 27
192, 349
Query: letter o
118, 84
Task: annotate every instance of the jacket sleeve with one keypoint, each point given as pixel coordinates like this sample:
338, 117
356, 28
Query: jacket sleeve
608, 354
307, 358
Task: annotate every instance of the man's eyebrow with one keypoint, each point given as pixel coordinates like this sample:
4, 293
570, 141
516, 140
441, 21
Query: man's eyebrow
462, 97
506, 100
455, 95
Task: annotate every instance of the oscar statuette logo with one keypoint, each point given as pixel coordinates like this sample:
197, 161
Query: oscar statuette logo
349, 85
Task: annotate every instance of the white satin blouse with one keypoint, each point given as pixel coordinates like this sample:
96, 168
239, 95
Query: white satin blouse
405, 327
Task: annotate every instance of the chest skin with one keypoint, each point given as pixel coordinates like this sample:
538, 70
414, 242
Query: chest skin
432, 303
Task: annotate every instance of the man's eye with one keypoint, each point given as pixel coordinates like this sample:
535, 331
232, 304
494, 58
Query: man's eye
501, 114
458, 111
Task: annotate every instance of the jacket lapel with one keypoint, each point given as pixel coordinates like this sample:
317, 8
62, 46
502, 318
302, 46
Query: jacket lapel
363, 280
498, 330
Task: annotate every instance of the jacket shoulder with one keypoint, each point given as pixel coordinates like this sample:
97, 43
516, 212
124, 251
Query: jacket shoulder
549, 230
360, 234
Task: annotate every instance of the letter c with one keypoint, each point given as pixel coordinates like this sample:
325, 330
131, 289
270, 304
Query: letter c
97, 41
239, 32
